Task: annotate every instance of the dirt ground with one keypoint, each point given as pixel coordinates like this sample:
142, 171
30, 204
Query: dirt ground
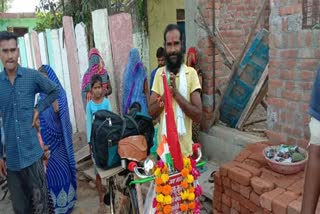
88, 200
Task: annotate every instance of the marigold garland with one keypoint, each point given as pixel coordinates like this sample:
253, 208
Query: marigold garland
191, 190
163, 200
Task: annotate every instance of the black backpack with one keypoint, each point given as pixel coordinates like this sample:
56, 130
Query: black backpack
106, 131
109, 128
139, 124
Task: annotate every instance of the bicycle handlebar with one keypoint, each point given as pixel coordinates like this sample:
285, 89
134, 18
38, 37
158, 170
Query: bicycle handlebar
145, 176
140, 175
151, 178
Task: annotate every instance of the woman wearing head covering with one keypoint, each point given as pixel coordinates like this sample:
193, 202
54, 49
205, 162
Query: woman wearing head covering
192, 61
135, 84
96, 66
56, 132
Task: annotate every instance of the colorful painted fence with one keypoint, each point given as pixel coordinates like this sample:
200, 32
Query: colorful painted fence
66, 51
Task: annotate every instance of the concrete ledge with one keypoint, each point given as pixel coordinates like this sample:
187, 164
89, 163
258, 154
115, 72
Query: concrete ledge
17, 15
221, 144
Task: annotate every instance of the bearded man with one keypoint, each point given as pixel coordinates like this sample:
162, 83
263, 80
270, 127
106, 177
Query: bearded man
185, 90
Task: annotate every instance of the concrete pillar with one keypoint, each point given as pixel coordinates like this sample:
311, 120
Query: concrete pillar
23, 52
82, 45
35, 50
28, 50
67, 81
57, 56
191, 27
121, 36
73, 64
50, 48
43, 48
102, 41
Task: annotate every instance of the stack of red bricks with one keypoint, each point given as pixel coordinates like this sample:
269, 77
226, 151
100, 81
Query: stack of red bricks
248, 185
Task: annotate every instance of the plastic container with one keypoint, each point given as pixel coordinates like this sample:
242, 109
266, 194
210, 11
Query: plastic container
286, 168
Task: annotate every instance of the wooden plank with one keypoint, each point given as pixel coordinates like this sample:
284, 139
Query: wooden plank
110, 172
250, 105
104, 174
216, 113
263, 92
82, 153
256, 121
216, 40
83, 165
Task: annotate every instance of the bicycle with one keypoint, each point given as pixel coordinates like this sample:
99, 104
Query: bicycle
144, 178
134, 176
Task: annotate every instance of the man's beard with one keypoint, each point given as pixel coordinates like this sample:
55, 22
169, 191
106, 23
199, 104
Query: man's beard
174, 66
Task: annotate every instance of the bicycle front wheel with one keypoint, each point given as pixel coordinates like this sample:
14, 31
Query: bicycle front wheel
127, 202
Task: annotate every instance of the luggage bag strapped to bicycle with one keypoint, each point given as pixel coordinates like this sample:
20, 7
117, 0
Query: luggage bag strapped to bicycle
138, 123
109, 128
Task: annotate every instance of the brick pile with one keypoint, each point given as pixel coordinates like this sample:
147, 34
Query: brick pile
248, 185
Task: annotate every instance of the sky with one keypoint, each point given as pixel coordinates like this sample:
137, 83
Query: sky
18, 6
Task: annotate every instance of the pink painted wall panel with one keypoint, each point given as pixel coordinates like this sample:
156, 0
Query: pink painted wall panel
121, 36
36, 49
74, 72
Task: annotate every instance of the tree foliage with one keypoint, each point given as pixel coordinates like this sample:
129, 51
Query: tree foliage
49, 15
50, 12
5, 5
46, 20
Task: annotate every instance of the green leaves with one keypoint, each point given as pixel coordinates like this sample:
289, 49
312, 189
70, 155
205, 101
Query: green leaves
5, 5
48, 20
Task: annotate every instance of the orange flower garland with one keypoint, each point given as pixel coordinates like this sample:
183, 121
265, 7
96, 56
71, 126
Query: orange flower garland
190, 194
187, 193
163, 199
190, 189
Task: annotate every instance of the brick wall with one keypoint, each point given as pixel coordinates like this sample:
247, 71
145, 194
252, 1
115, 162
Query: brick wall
294, 57
234, 18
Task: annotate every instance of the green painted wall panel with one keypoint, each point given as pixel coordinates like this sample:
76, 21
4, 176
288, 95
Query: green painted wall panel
160, 14
23, 53
29, 23
50, 48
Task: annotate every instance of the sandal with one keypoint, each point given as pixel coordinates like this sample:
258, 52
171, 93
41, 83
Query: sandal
211, 178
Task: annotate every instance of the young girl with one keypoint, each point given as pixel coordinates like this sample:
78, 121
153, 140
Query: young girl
97, 102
